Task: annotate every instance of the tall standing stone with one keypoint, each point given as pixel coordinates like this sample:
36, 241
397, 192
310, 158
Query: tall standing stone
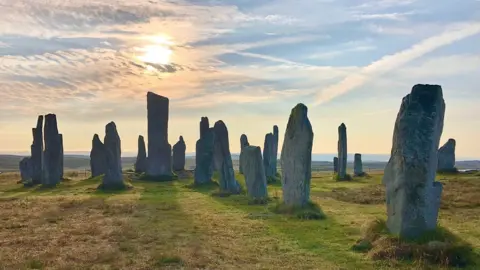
61, 156
98, 157
296, 158
254, 173
243, 143
204, 154
141, 162
179, 150
413, 196
37, 152
159, 150
268, 156
446, 157
53, 152
223, 159
358, 165
113, 178
335, 164
26, 171
275, 150
342, 152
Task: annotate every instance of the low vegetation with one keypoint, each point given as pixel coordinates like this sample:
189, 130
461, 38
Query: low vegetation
173, 225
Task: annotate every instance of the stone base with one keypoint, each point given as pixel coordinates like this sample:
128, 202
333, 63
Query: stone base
434, 199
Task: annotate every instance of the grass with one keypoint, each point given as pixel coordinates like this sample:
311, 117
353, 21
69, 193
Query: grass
177, 225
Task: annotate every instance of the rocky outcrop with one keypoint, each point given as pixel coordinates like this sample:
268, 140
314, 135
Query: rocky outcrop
159, 150
335, 164
204, 154
141, 161
269, 156
98, 157
358, 165
222, 159
296, 158
413, 196
37, 152
113, 178
243, 143
342, 152
53, 154
254, 173
446, 157
26, 171
179, 150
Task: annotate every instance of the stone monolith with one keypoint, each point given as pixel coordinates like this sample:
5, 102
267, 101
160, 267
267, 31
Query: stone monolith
342, 152
113, 178
179, 150
98, 157
335, 164
223, 159
243, 143
268, 157
446, 157
141, 161
358, 165
53, 152
204, 154
254, 173
37, 152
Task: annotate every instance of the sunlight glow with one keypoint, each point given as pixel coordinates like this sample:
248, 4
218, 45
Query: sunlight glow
157, 53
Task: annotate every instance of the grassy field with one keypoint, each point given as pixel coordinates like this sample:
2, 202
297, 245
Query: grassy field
174, 226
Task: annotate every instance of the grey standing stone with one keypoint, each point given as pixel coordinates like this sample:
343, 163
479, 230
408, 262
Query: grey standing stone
204, 126
413, 196
296, 158
98, 157
53, 152
204, 155
446, 157
159, 150
179, 150
254, 173
268, 157
61, 156
223, 159
113, 178
342, 152
358, 165
335, 164
243, 143
141, 162
26, 171
37, 152
275, 151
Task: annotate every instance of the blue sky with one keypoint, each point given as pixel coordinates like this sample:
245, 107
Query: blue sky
246, 62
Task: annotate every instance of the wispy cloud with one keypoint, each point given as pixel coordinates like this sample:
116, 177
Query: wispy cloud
390, 62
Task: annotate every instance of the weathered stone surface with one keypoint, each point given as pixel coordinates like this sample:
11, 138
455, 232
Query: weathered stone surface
275, 151
37, 152
61, 156
446, 157
53, 152
243, 143
113, 178
159, 150
98, 157
254, 173
296, 158
413, 196
204, 157
26, 170
358, 165
222, 159
335, 164
179, 150
342, 152
141, 162
269, 156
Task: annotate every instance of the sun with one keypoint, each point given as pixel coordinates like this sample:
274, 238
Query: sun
157, 53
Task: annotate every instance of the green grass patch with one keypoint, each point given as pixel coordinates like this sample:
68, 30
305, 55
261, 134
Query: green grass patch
310, 211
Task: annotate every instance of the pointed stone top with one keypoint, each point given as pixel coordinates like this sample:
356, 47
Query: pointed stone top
298, 117
140, 137
275, 129
452, 141
342, 126
96, 137
180, 139
151, 95
111, 127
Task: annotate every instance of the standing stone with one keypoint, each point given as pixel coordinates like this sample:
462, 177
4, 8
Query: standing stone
342, 152
254, 173
446, 157
37, 152
53, 152
268, 156
413, 196
296, 158
179, 150
98, 157
358, 165
26, 171
335, 164
61, 156
223, 159
243, 143
204, 154
141, 162
113, 178
275, 150
159, 150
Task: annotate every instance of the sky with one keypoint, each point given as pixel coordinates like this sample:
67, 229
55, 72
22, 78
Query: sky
246, 62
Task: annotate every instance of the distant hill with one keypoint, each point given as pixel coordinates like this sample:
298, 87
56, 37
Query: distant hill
80, 162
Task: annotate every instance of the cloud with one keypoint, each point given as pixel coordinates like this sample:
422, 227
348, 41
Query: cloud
390, 62
384, 16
